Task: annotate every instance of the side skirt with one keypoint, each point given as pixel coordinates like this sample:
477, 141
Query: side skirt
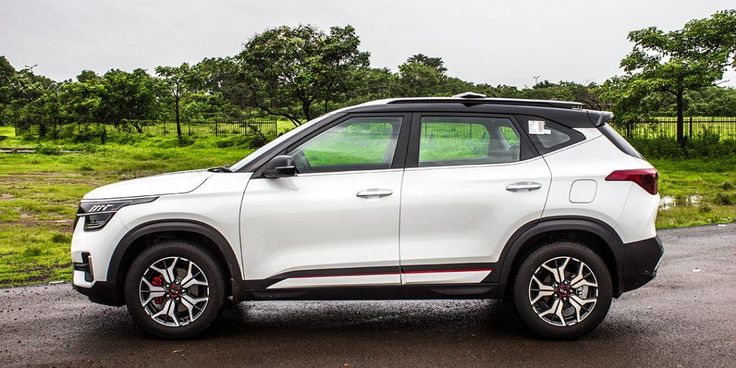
455, 291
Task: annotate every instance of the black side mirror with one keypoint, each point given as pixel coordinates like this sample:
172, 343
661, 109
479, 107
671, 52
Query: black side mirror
279, 167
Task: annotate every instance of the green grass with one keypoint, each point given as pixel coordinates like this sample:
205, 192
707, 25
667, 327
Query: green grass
714, 180
39, 193
7, 131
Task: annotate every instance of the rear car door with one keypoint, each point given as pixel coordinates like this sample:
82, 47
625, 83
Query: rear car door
471, 181
336, 222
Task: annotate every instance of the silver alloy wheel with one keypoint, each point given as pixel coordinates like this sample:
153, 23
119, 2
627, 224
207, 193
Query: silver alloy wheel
174, 291
563, 291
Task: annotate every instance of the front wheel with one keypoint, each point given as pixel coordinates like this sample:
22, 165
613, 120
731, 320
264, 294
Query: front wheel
562, 290
174, 289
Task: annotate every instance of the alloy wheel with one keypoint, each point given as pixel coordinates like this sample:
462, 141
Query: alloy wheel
563, 291
174, 291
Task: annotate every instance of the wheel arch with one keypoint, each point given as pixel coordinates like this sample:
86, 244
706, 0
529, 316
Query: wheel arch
592, 233
147, 234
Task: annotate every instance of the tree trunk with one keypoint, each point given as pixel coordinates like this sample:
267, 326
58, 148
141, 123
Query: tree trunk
178, 123
680, 118
306, 109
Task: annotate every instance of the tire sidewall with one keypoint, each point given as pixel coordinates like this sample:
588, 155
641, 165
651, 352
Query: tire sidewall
534, 261
206, 263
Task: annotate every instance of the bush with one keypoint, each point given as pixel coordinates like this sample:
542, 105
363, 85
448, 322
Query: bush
726, 185
61, 238
707, 143
79, 133
45, 150
724, 199
658, 147
186, 141
32, 251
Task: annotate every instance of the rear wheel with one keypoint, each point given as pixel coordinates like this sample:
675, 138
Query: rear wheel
562, 290
174, 289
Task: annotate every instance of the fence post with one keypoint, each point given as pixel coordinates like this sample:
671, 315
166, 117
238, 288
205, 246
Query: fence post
215, 128
691, 127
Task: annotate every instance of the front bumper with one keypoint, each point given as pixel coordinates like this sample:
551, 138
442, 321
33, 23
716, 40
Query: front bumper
101, 292
642, 262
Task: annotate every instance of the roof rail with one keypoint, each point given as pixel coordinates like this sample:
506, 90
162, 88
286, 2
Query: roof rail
470, 98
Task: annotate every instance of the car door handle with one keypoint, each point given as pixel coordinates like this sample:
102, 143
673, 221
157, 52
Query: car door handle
374, 193
523, 185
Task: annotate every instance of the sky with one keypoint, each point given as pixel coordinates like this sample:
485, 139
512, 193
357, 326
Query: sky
496, 42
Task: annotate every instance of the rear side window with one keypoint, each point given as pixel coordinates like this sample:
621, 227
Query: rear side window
619, 141
548, 136
450, 140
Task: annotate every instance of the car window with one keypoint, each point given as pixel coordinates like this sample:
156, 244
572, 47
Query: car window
447, 141
365, 143
549, 136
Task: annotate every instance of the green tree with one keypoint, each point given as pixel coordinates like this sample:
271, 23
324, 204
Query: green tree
288, 71
179, 80
419, 79
7, 73
128, 95
434, 62
679, 61
81, 100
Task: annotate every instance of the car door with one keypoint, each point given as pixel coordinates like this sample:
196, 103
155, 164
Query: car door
336, 222
470, 182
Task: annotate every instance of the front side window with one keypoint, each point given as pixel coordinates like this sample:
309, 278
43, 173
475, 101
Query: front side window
446, 141
360, 143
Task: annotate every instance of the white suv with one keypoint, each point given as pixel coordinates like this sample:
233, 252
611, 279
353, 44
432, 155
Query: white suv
539, 202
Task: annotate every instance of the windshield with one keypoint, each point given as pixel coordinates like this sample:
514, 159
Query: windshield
255, 154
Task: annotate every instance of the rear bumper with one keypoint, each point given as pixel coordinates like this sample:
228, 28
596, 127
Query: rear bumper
642, 261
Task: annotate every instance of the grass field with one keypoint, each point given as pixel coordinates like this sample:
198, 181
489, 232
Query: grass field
39, 193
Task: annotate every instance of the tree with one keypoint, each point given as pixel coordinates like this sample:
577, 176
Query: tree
7, 73
81, 99
679, 61
219, 90
419, 79
179, 80
30, 98
434, 62
128, 95
287, 71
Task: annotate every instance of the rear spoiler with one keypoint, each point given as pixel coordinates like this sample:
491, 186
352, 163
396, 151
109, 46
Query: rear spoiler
598, 118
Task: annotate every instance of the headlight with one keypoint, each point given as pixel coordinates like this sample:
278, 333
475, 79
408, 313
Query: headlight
98, 212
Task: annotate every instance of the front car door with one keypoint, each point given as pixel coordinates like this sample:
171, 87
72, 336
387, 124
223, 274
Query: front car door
336, 222
470, 182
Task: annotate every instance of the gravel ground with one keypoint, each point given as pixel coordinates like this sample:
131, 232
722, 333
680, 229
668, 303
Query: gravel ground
684, 318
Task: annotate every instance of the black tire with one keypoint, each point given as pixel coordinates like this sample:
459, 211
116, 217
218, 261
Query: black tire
203, 260
522, 295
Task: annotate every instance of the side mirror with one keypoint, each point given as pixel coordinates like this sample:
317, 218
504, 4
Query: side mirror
279, 167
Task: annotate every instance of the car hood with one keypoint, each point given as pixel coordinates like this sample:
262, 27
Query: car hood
173, 183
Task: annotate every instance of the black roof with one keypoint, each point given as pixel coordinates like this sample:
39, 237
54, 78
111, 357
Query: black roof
564, 112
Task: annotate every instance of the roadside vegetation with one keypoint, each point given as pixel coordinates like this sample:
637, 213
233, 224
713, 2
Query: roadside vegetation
89, 131
39, 192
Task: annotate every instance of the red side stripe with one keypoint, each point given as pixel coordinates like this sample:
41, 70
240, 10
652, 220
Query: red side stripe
397, 273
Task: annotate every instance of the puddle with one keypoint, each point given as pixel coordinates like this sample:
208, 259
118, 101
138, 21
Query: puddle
667, 202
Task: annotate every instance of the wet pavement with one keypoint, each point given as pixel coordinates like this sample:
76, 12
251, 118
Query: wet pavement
684, 318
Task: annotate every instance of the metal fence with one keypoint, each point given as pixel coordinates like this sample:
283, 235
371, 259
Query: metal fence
267, 127
725, 127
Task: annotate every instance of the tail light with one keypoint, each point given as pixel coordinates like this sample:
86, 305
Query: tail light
646, 178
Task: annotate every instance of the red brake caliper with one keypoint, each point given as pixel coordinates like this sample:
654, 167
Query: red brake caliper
156, 281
